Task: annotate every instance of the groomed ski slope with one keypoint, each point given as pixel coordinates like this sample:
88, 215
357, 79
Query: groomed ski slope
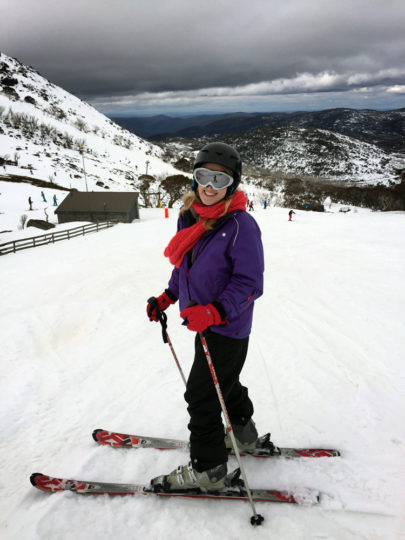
326, 367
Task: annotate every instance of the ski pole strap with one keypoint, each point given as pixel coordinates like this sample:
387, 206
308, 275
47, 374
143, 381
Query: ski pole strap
160, 315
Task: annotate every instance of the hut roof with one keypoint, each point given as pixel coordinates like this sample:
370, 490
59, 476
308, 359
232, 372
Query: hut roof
98, 201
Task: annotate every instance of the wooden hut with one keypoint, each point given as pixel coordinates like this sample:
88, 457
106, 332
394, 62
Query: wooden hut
98, 206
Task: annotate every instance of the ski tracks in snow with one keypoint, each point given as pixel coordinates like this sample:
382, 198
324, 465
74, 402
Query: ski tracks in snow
257, 347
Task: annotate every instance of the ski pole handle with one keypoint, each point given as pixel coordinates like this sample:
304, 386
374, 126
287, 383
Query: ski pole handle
160, 315
191, 303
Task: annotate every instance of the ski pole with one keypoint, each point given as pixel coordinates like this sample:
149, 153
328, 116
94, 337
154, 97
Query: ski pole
162, 318
256, 519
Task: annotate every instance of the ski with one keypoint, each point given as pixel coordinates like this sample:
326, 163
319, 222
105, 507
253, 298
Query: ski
265, 448
234, 490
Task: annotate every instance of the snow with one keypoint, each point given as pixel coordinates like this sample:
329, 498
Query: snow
318, 153
112, 155
325, 368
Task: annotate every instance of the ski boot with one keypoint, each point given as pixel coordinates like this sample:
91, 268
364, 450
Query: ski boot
248, 440
186, 478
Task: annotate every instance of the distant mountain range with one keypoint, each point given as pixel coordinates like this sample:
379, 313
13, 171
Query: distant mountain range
50, 137
318, 153
385, 129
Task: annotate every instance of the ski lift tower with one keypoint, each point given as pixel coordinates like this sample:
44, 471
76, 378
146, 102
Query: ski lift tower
81, 150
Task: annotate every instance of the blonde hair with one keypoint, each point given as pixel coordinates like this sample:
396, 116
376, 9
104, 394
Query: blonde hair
190, 198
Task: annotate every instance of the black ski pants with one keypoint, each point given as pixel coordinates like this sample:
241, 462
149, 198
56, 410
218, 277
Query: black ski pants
207, 446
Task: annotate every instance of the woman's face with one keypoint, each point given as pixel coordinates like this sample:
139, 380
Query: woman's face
209, 195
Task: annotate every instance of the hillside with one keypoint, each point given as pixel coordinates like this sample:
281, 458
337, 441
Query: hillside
340, 144
43, 127
319, 153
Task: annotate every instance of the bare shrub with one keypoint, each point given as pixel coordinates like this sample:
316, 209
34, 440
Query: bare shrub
81, 125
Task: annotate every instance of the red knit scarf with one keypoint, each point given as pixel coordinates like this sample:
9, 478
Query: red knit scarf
186, 239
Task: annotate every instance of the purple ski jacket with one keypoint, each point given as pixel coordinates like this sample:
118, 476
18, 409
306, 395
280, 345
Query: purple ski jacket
226, 265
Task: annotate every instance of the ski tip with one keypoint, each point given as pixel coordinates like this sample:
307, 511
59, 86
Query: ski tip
95, 433
331, 453
33, 478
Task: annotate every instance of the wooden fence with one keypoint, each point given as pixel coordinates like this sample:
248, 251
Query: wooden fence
51, 238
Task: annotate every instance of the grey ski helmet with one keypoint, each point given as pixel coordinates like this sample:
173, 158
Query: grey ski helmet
218, 152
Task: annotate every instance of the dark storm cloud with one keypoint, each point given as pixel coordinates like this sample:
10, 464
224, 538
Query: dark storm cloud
183, 50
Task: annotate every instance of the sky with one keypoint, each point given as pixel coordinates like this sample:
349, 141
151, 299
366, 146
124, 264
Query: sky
186, 57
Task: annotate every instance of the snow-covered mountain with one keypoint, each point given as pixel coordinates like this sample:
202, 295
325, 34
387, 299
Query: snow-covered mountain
52, 141
319, 153
43, 127
385, 129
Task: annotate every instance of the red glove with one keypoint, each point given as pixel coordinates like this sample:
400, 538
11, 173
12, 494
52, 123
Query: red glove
200, 317
163, 302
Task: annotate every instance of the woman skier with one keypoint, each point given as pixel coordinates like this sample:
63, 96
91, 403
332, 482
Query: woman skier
219, 264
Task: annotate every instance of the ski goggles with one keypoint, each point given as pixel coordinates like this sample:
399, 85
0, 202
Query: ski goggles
215, 179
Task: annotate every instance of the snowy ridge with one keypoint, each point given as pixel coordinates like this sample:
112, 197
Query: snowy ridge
385, 129
45, 142
318, 153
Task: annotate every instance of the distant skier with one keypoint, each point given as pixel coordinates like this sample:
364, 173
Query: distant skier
55, 202
30, 202
265, 205
43, 196
251, 209
290, 215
